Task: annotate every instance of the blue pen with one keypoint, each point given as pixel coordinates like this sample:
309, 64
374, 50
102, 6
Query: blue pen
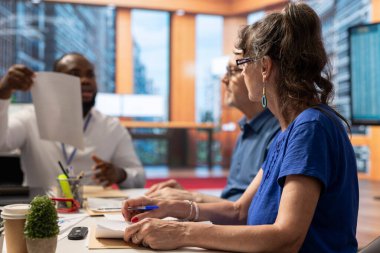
142, 208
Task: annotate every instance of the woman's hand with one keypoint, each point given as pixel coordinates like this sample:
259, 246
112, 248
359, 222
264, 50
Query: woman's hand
135, 215
166, 208
157, 234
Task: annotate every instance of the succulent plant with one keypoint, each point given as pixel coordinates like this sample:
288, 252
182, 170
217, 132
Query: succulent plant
42, 219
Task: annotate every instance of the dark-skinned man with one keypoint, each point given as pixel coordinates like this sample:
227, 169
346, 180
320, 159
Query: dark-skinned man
108, 149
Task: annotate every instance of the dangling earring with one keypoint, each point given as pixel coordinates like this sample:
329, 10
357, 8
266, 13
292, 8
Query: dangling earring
264, 101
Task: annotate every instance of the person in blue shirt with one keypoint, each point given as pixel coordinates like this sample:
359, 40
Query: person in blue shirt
305, 197
258, 128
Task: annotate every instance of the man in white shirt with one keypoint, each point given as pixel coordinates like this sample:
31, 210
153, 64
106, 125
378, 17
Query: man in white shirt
109, 150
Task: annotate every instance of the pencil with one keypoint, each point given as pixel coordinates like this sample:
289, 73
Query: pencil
63, 169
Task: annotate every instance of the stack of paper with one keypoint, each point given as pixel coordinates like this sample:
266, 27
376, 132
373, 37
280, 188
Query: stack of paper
104, 205
111, 229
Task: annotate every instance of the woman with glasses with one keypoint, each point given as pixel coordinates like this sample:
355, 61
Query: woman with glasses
305, 197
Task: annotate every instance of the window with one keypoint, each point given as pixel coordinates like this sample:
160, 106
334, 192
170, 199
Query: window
255, 16
151, 45
209, 46
209, 50
37, 34
151, 40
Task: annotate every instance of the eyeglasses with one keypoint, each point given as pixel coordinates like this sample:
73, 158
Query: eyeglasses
231, 71
241, 63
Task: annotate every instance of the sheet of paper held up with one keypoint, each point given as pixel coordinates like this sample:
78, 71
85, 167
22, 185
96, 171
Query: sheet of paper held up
58, 104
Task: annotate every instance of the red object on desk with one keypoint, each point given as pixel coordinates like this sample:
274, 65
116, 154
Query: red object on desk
74, 207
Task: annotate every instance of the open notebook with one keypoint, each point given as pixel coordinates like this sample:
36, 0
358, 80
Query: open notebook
113, 226
108, 233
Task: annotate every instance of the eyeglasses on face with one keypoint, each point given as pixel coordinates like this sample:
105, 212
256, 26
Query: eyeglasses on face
241, 63
231, 71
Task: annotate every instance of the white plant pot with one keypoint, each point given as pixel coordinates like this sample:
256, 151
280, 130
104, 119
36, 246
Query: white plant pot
45, 245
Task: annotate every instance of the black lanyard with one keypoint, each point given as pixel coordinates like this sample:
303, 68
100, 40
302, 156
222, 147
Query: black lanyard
68, 160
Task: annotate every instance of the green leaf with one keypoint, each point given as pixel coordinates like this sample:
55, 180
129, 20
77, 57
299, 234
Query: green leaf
42, 219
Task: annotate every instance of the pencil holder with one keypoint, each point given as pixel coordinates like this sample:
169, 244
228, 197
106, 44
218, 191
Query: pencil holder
70, 188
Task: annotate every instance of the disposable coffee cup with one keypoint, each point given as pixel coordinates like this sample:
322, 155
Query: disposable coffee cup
14, 217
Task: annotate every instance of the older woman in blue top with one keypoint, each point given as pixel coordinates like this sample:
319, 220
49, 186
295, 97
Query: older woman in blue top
305, 197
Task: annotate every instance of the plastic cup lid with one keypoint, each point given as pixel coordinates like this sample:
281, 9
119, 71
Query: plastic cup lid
16, 211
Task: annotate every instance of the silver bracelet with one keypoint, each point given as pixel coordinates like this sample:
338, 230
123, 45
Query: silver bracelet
191, 210
196, 211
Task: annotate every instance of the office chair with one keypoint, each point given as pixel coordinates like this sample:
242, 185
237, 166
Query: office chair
10, 169
372, 247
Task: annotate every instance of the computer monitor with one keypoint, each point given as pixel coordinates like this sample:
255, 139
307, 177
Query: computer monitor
364, 57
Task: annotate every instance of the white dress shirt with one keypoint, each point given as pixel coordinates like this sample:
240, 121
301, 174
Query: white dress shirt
104, 137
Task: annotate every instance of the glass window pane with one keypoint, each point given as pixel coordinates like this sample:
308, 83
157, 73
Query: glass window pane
255, 16
150, 33
209, 47
209, 50
37, 34
151, 44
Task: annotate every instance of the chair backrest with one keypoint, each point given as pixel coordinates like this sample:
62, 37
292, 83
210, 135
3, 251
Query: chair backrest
372, 247
11, 173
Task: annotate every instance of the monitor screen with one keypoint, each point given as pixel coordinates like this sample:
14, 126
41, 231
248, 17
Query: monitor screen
365, 74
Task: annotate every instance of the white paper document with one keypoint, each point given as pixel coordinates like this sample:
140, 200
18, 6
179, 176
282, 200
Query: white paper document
114, 225
104, 205
65, 222
111, 229
58, 104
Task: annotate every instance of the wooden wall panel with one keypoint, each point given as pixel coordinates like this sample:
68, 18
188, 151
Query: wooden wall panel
246, 6
371, 140
375, 10
182, 76
124, 57
231, 27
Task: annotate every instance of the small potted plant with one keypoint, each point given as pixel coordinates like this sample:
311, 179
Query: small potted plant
41, 227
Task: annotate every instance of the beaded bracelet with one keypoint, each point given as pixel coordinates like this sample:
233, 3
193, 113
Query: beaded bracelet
196, 212
191, 210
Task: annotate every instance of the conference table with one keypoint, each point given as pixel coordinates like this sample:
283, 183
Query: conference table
65, 245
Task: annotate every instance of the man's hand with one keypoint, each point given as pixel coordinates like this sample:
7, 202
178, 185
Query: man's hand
106, 173
18, 77
169, 183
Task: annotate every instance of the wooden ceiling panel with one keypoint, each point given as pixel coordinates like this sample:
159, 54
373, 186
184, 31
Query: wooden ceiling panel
216, 7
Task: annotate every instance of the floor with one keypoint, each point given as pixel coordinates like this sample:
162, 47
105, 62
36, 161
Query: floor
369, 212
369, 206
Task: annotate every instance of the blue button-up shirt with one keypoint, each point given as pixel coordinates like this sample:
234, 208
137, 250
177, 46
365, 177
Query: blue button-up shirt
250, 151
